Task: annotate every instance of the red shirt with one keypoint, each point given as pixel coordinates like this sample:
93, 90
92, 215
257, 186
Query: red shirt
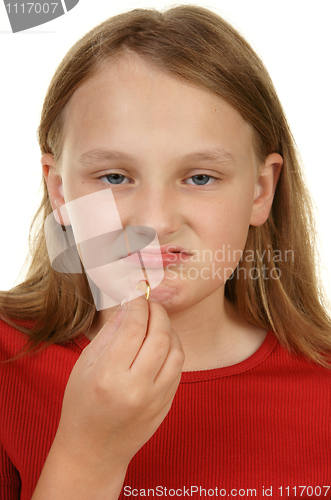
257, 429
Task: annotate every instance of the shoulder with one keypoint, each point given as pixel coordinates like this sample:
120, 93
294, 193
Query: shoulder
295, 366
12, 340
32, 375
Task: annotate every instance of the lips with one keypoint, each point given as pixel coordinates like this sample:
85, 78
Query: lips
169, 249
160, 257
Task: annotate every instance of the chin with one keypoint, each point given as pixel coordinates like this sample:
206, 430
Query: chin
166, 293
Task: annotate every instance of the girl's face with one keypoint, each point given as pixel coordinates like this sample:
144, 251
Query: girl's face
178, 159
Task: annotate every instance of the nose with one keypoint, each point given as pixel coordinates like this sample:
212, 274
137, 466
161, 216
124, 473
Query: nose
157, 207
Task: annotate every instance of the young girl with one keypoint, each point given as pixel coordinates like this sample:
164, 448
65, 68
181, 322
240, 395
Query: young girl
176, 115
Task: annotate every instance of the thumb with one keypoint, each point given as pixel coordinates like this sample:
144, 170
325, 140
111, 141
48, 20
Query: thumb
94, 349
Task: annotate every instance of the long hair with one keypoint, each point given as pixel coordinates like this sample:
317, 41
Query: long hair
198, 46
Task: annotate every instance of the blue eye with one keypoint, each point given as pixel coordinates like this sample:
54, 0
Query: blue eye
202, 182
116, 179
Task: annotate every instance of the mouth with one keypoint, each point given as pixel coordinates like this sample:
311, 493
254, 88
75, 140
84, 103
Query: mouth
165, 249
159, 259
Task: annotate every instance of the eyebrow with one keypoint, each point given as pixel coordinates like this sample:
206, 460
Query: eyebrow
214, 156
95, 156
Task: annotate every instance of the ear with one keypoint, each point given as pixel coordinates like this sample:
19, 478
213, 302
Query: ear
55, 189
265, 187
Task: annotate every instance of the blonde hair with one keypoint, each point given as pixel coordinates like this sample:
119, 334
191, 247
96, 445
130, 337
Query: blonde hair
198, 46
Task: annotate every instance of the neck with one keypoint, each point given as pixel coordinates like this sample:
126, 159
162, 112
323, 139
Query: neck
214, 335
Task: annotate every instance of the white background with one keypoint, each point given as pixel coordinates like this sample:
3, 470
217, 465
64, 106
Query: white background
293, 37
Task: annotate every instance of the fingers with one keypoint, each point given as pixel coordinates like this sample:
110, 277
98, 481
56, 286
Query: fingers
156, 346
171, 370
105, 334
152, 354
120, 352
166, 393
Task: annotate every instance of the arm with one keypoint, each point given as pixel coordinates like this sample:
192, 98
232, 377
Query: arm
118, 393
64, 477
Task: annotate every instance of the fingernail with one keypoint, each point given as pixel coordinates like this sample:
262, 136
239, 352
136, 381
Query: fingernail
133, 295
124, 304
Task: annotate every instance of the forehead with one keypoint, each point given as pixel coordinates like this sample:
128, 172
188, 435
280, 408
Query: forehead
131, 103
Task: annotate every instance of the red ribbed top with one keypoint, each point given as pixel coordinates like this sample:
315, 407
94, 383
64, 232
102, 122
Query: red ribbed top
262, 423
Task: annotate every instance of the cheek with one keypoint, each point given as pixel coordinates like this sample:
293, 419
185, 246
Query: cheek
73, 186
227, 223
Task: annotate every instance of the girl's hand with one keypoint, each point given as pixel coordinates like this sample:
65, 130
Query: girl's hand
122, 386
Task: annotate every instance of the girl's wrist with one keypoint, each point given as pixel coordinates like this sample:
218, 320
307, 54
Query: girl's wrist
88, 458
65, 476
